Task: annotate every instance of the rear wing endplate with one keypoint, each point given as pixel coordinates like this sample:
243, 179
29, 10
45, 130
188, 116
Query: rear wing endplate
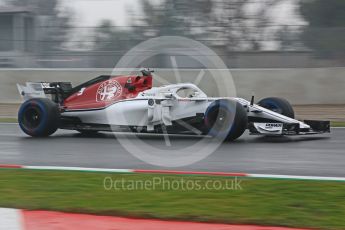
31, 90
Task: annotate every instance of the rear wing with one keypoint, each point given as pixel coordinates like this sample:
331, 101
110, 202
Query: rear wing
57, 90
31, 90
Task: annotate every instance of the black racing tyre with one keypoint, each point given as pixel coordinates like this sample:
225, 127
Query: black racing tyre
39, 117
278, 105
226, 119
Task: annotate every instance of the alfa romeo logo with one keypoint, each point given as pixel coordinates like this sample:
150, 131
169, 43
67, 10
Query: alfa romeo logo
108, 91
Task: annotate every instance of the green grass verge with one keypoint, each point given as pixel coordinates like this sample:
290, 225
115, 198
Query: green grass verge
294, 203
338, 124
8, 120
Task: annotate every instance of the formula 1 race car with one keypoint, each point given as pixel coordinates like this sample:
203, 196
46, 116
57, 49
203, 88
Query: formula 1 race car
130, 103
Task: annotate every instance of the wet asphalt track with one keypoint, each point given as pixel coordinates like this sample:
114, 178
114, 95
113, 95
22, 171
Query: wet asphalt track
322, 155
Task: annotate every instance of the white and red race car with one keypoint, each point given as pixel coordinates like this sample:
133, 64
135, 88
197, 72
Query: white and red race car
130, 103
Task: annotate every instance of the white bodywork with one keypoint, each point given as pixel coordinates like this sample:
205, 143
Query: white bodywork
172, 103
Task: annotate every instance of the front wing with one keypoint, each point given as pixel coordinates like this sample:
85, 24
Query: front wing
273, 129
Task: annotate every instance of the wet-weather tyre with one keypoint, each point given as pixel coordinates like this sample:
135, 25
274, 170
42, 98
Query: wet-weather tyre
278, 105
226, 119
39, 117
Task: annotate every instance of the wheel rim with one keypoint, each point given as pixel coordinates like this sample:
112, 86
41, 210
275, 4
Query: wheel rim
32, 118
220, 119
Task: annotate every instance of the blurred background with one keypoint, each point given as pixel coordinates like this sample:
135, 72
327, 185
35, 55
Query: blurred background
244, 33
288, 48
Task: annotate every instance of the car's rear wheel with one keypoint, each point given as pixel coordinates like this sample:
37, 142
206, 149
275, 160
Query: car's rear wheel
39, 117
278, 105
226, 119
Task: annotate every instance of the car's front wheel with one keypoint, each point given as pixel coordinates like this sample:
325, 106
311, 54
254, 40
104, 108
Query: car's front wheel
226, 119
278, 105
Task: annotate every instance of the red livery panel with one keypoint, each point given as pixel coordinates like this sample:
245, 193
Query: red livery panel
107, 91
